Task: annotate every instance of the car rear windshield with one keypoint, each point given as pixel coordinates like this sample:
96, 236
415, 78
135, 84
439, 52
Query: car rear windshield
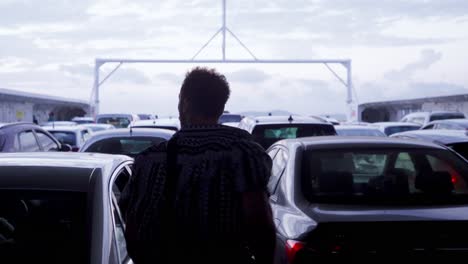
127, 146
230, 119
360, 132
435, 117
368, 175
118, 122
65, 137
461, 148
43, 227
397, 129
267, 135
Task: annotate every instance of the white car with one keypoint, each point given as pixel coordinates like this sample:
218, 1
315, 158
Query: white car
423, 118
75, 136
389, 128
117, 120
163, 123
83, 120
98, 127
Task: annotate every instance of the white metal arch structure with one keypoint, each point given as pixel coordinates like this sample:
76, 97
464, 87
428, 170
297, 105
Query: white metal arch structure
223, 30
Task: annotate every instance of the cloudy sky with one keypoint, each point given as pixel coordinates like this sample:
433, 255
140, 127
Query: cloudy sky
399, 49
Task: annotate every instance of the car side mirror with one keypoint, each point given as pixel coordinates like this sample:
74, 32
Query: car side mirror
65, 148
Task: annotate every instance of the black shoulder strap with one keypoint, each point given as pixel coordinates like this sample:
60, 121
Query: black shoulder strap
172, 175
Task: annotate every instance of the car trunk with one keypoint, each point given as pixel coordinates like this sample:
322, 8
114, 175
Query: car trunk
381, 233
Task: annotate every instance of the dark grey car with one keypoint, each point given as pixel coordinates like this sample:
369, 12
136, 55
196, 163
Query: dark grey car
367, 197
25, 137
62, 208
456, 140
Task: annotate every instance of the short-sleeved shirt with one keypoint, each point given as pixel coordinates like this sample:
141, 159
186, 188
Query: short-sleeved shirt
202, 214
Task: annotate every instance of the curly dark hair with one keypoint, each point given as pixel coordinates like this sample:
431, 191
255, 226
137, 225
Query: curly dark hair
207, 92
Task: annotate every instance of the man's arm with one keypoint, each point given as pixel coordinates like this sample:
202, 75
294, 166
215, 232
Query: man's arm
260, 228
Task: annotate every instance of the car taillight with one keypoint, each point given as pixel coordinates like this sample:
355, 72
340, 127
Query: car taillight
292, 248
75, 149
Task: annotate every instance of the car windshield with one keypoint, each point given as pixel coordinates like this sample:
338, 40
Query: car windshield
130, 146
65, 137
84, 121
366, 174
397, 129
230, 119
360, 132
118, 122
435, 117
43, 227
267, 135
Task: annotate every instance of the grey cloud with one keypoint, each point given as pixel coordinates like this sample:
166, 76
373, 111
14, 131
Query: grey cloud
248, 76
428, 58
33, 11
77, 69
378, 91
126, 75
130, 76
436, 89
170, 77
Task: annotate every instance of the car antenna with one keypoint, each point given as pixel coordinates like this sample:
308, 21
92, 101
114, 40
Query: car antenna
290, 119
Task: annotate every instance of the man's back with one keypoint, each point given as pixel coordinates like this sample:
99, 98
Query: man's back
188, 204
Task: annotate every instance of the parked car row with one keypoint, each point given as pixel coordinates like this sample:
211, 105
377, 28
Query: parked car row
333, 192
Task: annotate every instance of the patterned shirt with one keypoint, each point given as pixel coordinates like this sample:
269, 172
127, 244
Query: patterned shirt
191, 207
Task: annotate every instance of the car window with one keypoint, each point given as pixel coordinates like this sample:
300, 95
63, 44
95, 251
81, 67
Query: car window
397, 129
380, 173
431, 126
28, 142
118, 122
43, 227
126, 145
16, 144
85, 135
443, 126
279, 165
417, 120
120, 181
446, 116
119, 232
267, 135
65, 137
46, 142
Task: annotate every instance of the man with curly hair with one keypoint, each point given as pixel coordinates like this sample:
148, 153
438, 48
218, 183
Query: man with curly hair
202, 196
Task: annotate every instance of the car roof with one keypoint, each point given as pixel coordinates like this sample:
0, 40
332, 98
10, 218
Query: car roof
134, 132
335, 142
175, 122
434, 112
285, 120
388, 124
65, 128
458, 121
96, 125
354, 127
5, 125
61, 171
439, 136
114, 115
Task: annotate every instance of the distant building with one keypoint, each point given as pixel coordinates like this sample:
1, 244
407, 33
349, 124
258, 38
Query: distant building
17, 106
395, 110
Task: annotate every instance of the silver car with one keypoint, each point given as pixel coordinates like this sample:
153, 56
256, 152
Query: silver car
126, 141
373, 197
62, 208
